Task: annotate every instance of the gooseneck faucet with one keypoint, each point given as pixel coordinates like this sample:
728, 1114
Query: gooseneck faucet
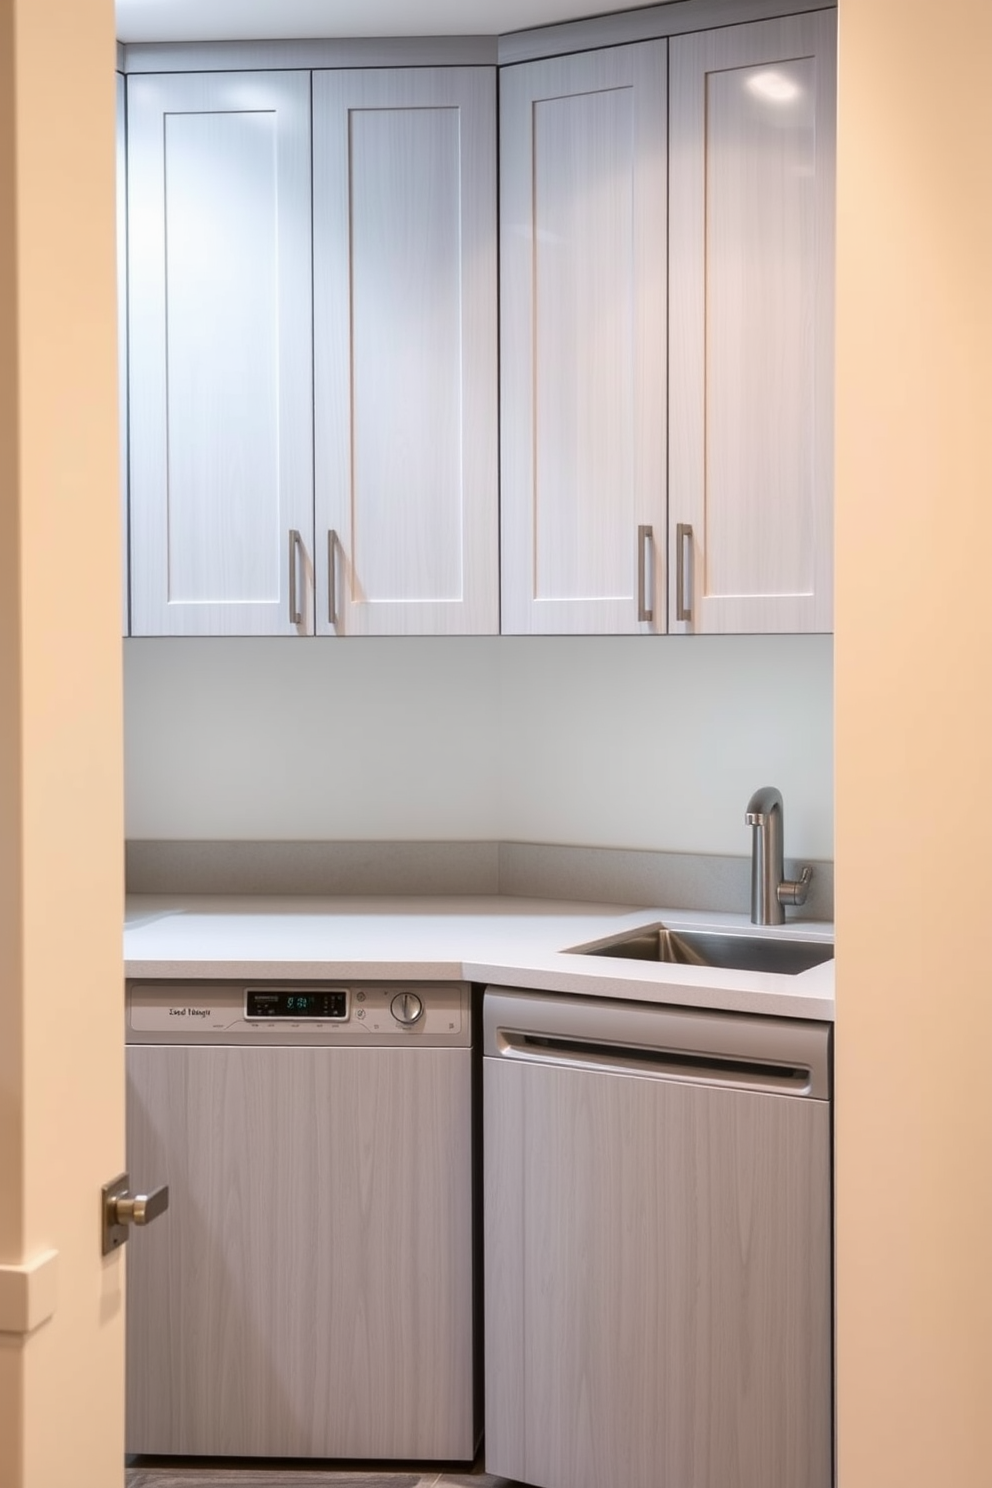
770, 890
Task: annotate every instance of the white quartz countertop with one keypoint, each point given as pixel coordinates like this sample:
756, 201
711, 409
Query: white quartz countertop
509, 942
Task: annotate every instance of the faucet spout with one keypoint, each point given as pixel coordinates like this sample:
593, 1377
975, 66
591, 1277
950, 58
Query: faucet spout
770, 891
766, 799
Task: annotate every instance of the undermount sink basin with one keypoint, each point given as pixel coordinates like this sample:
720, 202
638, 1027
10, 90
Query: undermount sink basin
715, 948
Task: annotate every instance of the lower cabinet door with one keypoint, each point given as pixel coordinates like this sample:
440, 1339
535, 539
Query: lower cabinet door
658, 1297
308, 1293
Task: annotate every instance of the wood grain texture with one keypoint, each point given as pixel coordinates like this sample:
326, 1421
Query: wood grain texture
309, 1291
405, 350
751, 359
582, 163
271, 1476
640, 24
221, 415
266, 1477
660, 1314
122, 335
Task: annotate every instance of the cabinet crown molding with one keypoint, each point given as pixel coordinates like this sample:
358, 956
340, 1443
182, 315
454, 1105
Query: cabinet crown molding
348, 51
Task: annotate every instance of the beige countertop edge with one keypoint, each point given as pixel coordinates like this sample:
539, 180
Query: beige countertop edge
190, 938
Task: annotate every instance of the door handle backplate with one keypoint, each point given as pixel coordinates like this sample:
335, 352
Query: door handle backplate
119, 1208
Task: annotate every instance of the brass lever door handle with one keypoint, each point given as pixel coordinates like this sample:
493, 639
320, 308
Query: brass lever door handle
121, 1208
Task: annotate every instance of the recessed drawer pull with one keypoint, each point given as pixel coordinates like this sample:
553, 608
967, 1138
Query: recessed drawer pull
675, 1063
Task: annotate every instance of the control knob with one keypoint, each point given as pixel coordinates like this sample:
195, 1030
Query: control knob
407, 1008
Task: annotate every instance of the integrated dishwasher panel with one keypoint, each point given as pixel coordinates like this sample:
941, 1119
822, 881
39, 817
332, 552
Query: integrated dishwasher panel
658, 1246
309, 1292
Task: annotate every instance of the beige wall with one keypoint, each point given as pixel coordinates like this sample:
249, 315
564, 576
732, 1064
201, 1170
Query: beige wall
61, 1057
914, 744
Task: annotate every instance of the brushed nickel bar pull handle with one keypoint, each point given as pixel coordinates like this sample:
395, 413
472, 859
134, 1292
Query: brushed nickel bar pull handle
295, 617
645, 535
332, 590
683, 536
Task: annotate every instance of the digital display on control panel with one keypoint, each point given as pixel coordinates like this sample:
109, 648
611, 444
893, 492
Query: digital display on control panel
295, 1004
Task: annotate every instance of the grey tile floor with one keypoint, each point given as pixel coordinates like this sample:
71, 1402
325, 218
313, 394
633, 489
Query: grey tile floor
181, 1473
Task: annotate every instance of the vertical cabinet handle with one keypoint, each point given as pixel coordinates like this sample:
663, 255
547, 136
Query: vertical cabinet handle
332, 590
683, 537
644, 537
295, 541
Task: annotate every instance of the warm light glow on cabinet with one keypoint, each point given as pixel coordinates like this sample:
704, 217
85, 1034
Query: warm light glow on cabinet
774, 87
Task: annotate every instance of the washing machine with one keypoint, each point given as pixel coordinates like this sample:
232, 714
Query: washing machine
310, 1290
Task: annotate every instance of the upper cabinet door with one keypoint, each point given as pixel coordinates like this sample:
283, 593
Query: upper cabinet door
582, 295
751, 321
220, 354
405, 351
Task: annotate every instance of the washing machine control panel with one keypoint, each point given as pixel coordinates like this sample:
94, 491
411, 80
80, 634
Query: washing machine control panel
435, 1013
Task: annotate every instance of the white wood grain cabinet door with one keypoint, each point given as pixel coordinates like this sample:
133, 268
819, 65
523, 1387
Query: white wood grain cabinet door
405, 352
751, 323
582, 298
221, 357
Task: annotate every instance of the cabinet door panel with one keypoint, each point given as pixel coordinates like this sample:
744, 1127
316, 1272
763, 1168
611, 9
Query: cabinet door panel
405, 350
752, 182
299, 1270
220, 351
583, 339
657, 1282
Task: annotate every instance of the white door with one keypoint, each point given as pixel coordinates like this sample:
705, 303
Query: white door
582, 301
61, 768
751, 368
405, 352
220, 354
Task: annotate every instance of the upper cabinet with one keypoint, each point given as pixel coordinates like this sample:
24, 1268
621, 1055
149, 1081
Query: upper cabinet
221, 404
331, 434
384, 385
751, 264
405, 355
582, 305
744, 542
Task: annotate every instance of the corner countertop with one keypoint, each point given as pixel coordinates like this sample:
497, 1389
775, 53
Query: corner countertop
528, 943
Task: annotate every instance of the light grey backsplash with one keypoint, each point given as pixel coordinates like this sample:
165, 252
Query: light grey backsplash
676, 880
424, 868
528, 870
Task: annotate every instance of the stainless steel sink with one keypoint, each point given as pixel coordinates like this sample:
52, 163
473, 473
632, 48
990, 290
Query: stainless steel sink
740, 952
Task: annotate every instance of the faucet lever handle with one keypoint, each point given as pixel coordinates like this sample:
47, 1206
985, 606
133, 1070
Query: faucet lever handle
790, 892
